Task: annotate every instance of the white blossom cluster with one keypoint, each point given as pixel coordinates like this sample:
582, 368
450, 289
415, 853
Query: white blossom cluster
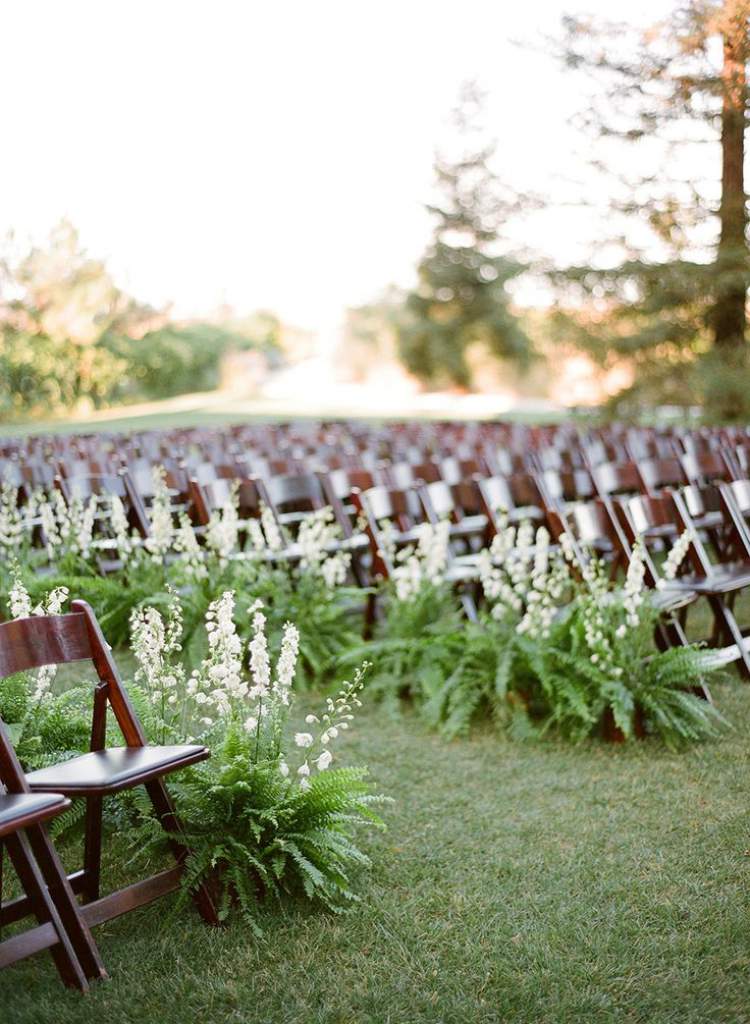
318, 534
424, 564
191, 554
237, 684
19, 602
155, 644
264, 534
334, 720
522, 578
161, 534
675, 557
68, 528
223, 529
16, 519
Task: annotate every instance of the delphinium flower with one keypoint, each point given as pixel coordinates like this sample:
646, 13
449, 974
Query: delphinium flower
161, 534
222, 531
20, 607
336, 718
218, 682
156, 644
271, 530
633, 591
185, 543
599, 607
675, 558
425, 564
255, 535
49, 523
124, 541
387, 549
12, 519
236, 687
549, 578
317, 535
522, 579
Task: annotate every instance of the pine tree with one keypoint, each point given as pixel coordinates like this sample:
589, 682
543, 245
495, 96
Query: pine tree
461, 297
675, 305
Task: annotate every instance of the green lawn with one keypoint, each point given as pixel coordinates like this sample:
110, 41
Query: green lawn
517, 883
213, 409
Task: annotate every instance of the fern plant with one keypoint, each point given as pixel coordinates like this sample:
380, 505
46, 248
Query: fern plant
263, 817
415, 644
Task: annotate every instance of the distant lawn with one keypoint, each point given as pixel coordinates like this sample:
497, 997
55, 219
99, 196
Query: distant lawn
216, 408
522, 884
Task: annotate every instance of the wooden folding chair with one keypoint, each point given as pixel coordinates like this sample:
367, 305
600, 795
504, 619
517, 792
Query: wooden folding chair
60, 927
33, 642
404, 511
719, 583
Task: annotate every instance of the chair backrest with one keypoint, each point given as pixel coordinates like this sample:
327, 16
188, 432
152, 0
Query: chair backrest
106, 486
295, 492
705, 467
567, 485
36, 641
617, 478
41, 640
658, 474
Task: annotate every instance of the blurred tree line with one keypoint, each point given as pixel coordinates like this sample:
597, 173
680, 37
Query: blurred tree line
71, 339
664, 296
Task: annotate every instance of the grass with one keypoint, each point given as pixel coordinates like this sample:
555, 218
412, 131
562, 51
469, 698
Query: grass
516, 883
216, 408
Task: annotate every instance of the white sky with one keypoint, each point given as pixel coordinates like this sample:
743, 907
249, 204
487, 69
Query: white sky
272, 154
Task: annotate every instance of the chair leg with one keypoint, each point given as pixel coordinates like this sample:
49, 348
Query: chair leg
92, 849
470, 608
729, 625
45, 910
67, 906
165, 811
371, 610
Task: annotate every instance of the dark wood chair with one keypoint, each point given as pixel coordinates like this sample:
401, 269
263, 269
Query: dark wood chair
719, 583
60, 927
469, 525
517, 497
404, 511
33, 642
611, 479
661, 474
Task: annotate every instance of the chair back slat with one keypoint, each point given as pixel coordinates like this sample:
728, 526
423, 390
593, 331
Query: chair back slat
33, 642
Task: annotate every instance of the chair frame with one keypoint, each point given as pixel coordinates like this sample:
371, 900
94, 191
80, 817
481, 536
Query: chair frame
76, 636
60, 927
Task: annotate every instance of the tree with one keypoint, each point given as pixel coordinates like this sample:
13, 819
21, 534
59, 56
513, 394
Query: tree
461, 298
674, 304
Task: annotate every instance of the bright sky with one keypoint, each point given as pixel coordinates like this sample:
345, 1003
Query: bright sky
272, 154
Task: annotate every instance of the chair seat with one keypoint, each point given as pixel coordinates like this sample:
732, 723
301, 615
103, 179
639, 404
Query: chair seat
469, 526
18, 810
708, 521
670, 599
108, 771
723, 579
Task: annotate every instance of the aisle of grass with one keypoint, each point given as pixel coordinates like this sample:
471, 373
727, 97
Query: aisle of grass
517, 883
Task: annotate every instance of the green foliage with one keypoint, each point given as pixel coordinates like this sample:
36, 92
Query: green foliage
461, 299
170, 360
254, 835
414, 647
670, 304
70, 337
577, 688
